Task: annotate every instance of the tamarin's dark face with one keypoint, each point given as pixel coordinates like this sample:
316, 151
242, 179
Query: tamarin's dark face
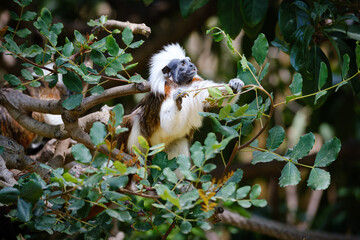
182, 71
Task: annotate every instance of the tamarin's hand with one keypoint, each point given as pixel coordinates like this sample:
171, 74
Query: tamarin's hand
178, 95
236, 85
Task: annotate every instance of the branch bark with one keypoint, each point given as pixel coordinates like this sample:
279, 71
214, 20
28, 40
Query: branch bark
276, 229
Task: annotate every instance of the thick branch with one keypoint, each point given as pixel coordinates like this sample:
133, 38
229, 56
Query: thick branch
6, 177
119, 91
15, 157
72, 125
276, 229
40, 128
135, 27
29, 104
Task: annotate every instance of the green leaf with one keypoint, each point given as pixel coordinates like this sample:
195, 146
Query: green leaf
170, 175
291, 18
226, 191
117, 182
258, 202
143, 143
224, 112
112, 46
246, 75
319, 95
75, 204
244, 63
24, 210
57, 28
52, 38
189, 197
68, 49
79, 37
31, 191
136, 44
98, 57
70, 178
11, 44
323, 74
209, 167
93, 180
119, 114
142, 226
264, 157
46, 16
357, 52
171, 197
244, 203
242, 192
98, 133
45, 223
185, 227
264, 71
236, 177
183, 162
35, 84
42, 26
345, 66
12, 79
127, 36
215, 92
92, 79
187, 7
136, 79
72, 82
198, 158
275, 138
255, 191
241, 110
319, 179
328, 153
8, 195
230, 17
14, 16
254, 11
260, 48
224, 130
93, 23
290, 175
32, 51
297, 84
23, 33
121, 167
28, 16
81, 153
122, 216
27, 74
303, 147
97, 90
72, 101
131, 66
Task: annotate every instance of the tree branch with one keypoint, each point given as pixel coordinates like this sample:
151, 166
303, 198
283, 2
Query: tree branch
136, 28
276, 229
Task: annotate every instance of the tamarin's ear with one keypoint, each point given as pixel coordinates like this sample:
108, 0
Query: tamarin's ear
166, 71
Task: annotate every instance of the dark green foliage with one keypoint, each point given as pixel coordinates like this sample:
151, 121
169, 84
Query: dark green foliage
62, 203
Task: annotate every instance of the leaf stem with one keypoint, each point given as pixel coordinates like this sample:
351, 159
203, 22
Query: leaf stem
327, 89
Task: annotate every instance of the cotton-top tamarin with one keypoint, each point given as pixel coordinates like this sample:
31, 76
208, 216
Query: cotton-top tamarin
170, 112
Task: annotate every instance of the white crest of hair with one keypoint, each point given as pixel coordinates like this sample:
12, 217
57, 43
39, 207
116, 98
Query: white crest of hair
159, 61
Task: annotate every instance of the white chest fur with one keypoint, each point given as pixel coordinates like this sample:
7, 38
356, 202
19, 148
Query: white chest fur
174, 123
